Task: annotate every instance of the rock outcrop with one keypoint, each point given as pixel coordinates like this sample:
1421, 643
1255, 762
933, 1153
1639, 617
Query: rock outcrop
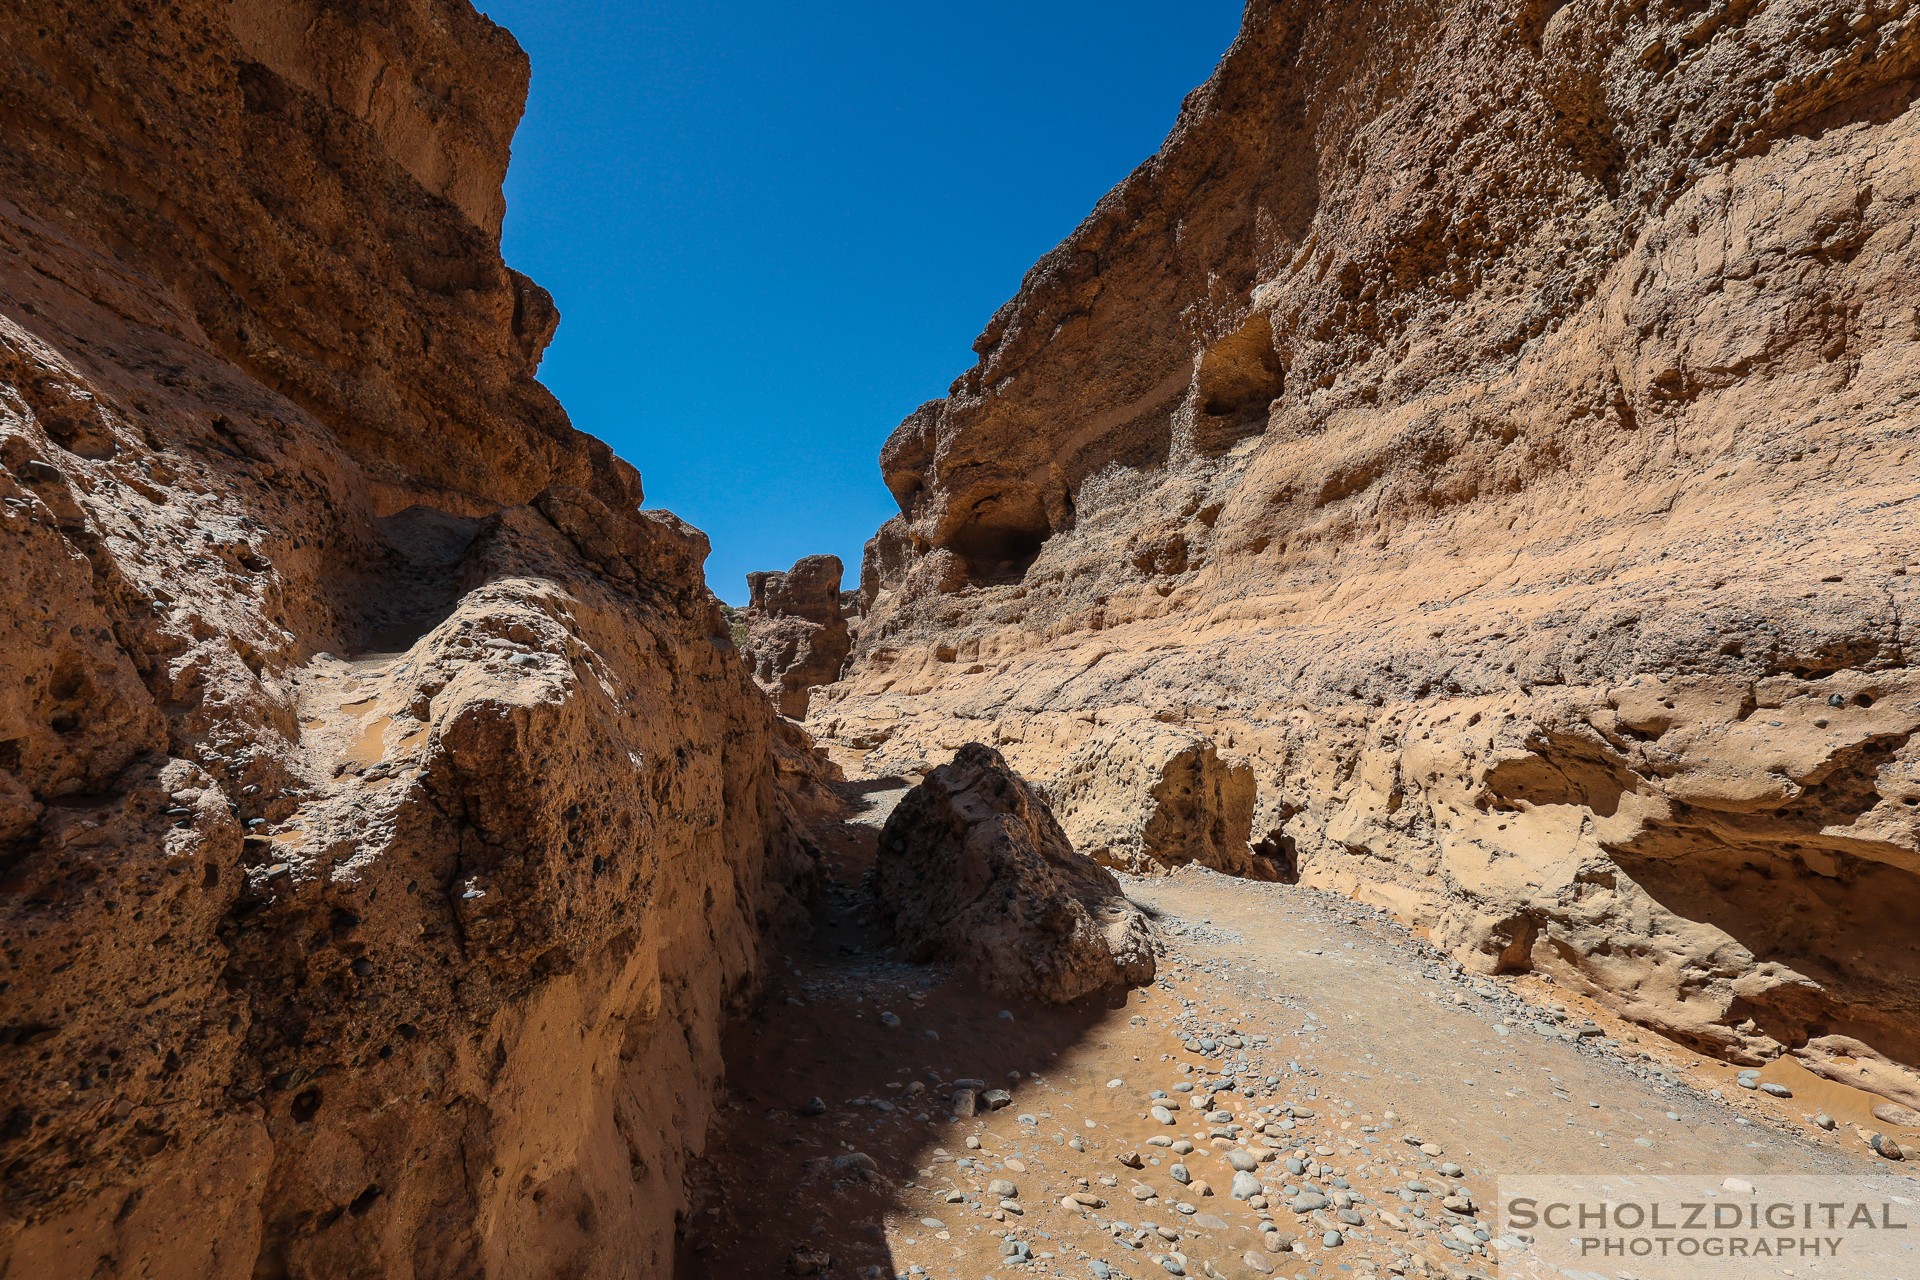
1494, 430
797, 634
386, 821
972, 868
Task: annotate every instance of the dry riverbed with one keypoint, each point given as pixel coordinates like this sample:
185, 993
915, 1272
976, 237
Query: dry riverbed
1306, 1090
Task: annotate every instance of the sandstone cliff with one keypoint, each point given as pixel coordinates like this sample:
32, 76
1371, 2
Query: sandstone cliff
386, 821
1473, 465
797, 634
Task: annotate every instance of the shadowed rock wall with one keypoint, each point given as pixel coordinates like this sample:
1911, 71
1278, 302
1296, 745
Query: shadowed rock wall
1493, 428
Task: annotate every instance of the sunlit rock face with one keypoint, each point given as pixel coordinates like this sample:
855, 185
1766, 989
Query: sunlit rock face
798, 636
1471, 466
386, 822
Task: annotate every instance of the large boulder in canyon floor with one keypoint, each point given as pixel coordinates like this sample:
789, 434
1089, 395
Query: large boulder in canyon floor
972, 867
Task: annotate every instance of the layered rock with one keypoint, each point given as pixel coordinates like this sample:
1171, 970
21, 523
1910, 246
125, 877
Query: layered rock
973, 868
1494, 431
386, 822
797, 635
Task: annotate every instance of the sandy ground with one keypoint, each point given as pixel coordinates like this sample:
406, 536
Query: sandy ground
1354, 1051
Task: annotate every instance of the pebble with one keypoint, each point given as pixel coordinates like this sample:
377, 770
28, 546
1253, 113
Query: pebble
1245, 1185
1161, 1114
996, 1099
1002, 1188
1242, 1161
1777, 1090
1333, 1239
1179, 1174
1825, 1121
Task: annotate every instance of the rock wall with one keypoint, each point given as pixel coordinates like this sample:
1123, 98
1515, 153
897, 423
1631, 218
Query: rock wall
386, 821
1492, 428
797, 633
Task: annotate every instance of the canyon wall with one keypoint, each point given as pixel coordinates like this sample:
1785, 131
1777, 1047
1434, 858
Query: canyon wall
797, 637
386, 820
1473, 466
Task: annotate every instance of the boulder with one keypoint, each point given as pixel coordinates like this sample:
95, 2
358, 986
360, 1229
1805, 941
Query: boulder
972, 867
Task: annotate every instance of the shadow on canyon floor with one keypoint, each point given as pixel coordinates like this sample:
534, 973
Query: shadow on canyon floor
835, 1153
780, 1190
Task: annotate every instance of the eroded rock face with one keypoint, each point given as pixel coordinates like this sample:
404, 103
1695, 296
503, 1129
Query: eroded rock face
386, 822
797, 633
1493, 432
972, 867
1157, 799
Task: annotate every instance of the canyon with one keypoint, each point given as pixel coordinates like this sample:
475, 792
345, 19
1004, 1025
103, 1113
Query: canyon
1452, 506
1471, 467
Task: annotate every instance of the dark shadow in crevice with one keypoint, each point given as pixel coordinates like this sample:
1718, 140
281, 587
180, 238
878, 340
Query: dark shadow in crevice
410, 585
1281, 853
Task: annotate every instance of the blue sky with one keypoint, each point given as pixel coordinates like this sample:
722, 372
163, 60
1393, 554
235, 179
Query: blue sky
774, 228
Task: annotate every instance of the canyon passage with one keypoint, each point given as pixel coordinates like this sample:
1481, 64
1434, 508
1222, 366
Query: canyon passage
1389, 674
